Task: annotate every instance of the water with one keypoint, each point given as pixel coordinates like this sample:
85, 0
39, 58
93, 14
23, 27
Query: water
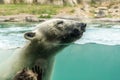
96, 56
12, 34
88, 62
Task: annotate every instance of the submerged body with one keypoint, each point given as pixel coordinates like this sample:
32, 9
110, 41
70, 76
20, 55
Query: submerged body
26, 74
42, 46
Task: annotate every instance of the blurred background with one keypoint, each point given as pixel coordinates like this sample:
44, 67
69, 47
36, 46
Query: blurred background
60, 8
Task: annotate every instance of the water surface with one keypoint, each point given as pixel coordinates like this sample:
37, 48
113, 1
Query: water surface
96, 56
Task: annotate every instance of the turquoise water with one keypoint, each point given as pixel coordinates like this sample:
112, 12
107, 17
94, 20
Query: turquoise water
96, 56
88, 62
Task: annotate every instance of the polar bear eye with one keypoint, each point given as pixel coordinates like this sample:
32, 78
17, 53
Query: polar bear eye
29, 35
60, 22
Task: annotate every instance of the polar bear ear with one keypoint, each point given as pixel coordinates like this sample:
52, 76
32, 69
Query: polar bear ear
29, 35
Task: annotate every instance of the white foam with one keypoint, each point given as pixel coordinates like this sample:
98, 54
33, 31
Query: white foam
116, 26
107, 36
12, 37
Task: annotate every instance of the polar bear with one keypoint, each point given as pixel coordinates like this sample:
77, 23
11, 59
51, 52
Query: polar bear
26, 74
43, 44
29, 74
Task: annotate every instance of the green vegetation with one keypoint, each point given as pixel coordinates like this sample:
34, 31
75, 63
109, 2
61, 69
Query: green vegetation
90, 9
109, 16
12, 9
72, 10
45, 16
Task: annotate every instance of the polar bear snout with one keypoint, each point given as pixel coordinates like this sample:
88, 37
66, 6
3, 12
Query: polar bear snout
29, 35
83, 25
75, 33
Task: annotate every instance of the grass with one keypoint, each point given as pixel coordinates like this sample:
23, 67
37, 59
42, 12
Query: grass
12, 9
42, 11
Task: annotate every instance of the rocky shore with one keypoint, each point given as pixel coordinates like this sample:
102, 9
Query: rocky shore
106, 11
33, 18
85, 13
21, 18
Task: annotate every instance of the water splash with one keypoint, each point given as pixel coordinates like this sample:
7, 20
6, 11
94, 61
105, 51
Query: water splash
106, 36
11, 36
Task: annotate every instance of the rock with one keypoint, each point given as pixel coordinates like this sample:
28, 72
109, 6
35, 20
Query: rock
2, 20
101, 12
58, 2
19, 18
114, 10
42, 20
31, 19
107, 19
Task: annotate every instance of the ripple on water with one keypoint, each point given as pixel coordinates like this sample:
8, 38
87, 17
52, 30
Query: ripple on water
107, 34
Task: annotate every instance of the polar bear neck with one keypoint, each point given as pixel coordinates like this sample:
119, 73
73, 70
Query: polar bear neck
42, 51
29, 54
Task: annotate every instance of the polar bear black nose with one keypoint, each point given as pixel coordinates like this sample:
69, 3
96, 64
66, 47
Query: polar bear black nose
60, 22
82, 25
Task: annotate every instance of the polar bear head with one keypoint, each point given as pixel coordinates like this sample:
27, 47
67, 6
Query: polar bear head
56, 31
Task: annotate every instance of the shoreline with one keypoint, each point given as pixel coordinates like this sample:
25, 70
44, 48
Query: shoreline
34, 18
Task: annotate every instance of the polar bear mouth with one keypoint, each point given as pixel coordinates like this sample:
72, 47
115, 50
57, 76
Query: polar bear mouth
75, 33
83, 26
